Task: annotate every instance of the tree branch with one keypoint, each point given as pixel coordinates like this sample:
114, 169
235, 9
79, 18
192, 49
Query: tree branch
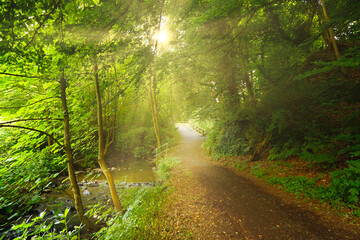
31, 119
113, 21
42, 23
17, 75
28, 104
33, 129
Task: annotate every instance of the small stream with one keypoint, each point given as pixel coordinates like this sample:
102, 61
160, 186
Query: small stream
127, 172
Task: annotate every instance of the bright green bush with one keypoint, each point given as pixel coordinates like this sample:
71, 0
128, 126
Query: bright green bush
163, 168
345, 184
142, 219
295, 184
343, 189
22, 179
41, 228
257, 171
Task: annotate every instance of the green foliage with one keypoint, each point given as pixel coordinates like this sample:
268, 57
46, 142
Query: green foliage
295, 184
142, 219
343, 189
206, 125
139, 221
227, 139
319, 152
22, 179
136, 136
349, 138
42, 228
280, 122
281, 153
138, 141
164, 166
345, 184
257, 171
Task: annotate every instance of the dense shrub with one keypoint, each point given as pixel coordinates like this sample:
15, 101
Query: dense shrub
138, 141
142, 219
22, 179
345, 184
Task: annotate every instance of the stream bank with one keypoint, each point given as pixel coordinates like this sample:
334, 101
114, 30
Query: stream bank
58, 198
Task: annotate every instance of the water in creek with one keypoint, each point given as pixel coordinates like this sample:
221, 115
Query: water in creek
129, 169
127, 172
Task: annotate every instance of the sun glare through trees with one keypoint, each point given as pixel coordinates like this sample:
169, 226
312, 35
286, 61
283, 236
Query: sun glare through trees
96, 96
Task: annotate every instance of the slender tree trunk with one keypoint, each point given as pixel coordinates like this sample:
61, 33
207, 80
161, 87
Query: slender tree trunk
70, 161
49, 140
154, 110
332, 36
331, 31
101, 154
152, 87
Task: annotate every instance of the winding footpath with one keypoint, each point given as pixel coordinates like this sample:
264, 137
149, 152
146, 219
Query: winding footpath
214, 202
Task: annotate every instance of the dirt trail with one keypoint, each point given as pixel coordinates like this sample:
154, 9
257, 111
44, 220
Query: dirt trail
213, 202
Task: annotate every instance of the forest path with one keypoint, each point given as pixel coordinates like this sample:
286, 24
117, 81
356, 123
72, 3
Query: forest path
214, 202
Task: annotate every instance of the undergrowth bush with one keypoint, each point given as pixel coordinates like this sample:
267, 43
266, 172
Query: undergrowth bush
283, 152
138, 141
343, 189
227, 139
345, 184
257, 171
41, 228
22, 179
295, 184
319, 152
205, 125
142, 218
164, 167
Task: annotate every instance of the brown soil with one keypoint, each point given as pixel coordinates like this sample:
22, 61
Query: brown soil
214, 202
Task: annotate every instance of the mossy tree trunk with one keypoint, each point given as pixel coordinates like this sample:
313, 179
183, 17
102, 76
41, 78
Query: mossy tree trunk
102, 147
70, 161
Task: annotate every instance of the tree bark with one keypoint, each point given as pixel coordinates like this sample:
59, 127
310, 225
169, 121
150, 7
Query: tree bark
101, 153
332, 36
331, 31
70, 161
154, 110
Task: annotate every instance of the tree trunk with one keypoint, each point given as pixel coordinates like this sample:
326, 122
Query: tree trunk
154, 110
331, 31
243, 65
101, 154
332, 36
70, 161
152, 87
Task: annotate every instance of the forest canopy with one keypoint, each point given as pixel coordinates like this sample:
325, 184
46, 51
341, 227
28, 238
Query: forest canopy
266, 79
